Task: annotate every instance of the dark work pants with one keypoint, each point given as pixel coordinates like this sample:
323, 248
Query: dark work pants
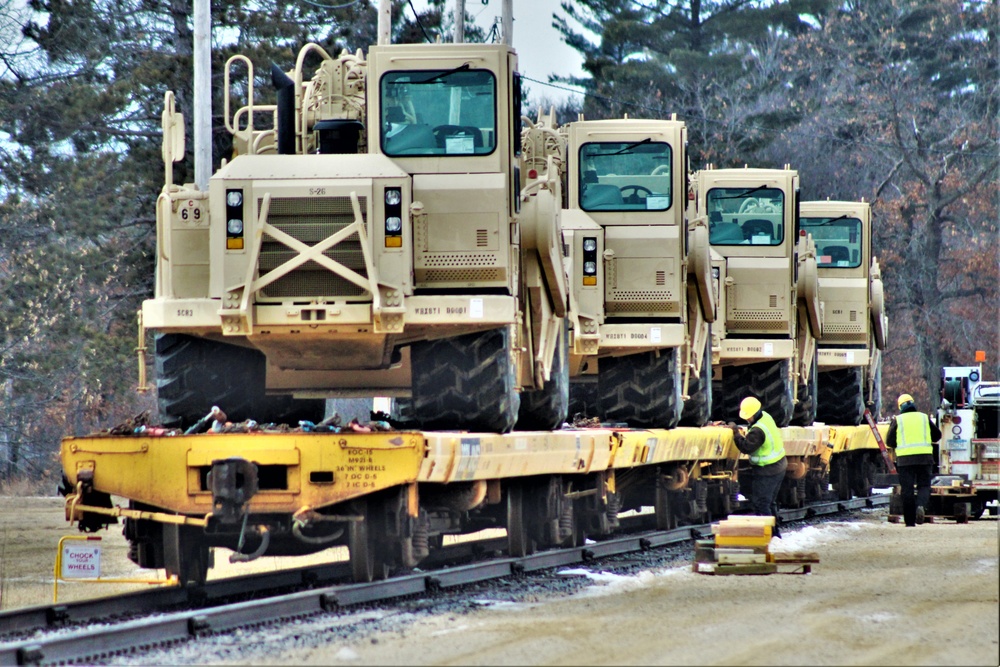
919, 475
764, 494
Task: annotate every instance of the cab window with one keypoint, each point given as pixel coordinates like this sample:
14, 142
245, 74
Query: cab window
625, 176
746, 216
838, 241
445, 112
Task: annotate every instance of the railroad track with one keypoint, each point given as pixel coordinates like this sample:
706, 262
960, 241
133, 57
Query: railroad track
53, 639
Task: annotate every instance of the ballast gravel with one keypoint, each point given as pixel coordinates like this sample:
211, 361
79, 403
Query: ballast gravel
882, 594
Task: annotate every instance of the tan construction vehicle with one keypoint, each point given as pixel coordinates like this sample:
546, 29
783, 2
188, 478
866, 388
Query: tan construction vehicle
641, 289
849, 357
371, 236
765, 270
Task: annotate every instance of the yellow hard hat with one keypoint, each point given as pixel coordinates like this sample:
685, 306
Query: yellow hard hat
903, 398
749, 407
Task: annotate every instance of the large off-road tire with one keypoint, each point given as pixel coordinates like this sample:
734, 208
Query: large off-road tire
698, 408
465, 383
840, 398
583, 398
768, 381
643, 390
547, 408
804, 413
193, 374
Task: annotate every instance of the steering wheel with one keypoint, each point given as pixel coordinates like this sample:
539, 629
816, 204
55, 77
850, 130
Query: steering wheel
636, 191
754, 205
662, 169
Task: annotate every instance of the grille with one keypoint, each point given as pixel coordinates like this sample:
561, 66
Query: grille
641, 307
482, 238
843, 328
661, 277
642, 295
757, 315
460, 275
736, 325
460, 259
310, 221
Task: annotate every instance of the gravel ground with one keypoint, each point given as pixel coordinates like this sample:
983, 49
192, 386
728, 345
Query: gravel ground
882, 594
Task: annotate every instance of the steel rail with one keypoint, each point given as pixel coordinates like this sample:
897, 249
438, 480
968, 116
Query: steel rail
96, 643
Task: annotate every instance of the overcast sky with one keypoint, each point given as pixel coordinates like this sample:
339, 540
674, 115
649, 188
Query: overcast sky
540, 50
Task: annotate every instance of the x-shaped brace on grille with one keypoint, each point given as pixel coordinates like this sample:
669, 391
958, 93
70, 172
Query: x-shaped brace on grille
308, 253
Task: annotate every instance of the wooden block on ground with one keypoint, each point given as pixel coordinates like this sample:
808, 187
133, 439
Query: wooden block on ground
750, 518
795, 557
741, 530
739, 558
754, 568
741, 541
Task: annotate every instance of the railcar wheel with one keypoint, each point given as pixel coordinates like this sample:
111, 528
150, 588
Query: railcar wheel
698, 408
193, 374
466, 382
841, 480
804, 413
663, 506
519, 539
546, 409
643, 390
185, 555
367, 553
840, 398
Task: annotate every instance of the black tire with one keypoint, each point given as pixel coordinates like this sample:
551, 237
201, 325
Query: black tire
840, 397
767, 381
193, 374
185, 555
698, 408
643, 390
583, 398
804, 413
547, 408
465, 383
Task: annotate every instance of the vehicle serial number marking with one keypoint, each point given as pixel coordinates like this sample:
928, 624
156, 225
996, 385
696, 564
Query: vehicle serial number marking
317, 191
185, 312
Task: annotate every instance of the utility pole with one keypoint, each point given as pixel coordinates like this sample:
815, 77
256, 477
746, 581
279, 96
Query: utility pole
459, 21
202, 117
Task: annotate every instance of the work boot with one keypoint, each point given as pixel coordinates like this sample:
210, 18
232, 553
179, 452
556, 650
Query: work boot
920, 514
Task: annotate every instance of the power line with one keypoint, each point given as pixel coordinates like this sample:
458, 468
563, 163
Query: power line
705, 119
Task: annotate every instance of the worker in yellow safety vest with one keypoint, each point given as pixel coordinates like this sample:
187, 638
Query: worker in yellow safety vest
912, 434
763, 444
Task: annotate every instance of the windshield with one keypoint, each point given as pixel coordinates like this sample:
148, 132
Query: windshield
838, 241
438, 112
625, 176
746, 216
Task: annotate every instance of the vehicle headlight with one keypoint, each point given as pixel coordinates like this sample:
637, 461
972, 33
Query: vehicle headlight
234, 198
393, 197
393, 225
590, 244
234, 226
590, 268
